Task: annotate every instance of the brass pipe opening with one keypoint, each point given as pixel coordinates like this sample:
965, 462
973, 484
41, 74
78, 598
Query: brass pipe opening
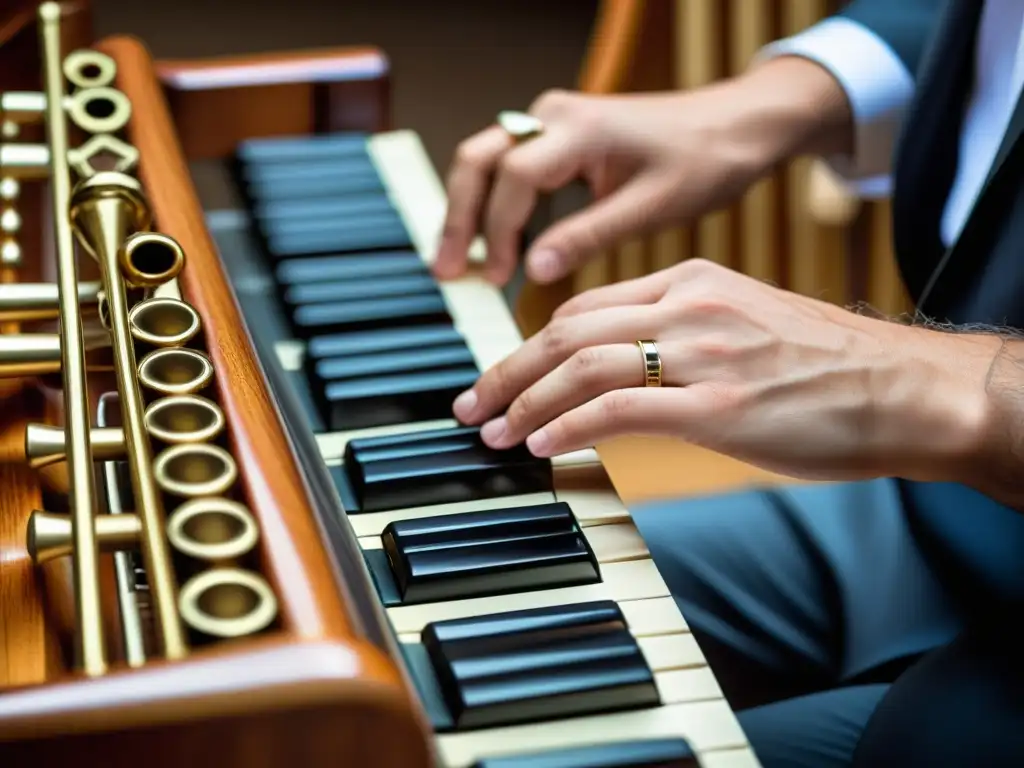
163, 322
184, 419
212, 529
150, 259
227, 602
46, 444
49, 534
195, 469
175, 371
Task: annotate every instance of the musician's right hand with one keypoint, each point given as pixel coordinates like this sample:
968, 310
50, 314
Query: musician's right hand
651, 160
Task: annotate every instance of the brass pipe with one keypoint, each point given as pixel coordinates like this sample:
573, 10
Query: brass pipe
105, 209
184, 419
190, 470
175, 371
50, 534
163, 322
21, 302
23, 107
227, 602
46, 444
25, 161
38, 354
212, 529
90, 641
150, 259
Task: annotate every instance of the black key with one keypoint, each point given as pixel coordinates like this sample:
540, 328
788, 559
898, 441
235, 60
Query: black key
397, 399
383, 340
291, 149
365, 314
397, 361
437, 467
369, 233
353, 266
364, 288
321, 209
310, 180
491, 552
647, 753
539, 664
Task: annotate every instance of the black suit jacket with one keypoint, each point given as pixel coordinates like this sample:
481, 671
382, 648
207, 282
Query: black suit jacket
975, 544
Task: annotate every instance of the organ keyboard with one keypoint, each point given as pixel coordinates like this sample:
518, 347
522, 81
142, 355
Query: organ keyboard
534, 626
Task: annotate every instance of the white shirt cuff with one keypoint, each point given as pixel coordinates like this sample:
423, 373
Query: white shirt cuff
877, 84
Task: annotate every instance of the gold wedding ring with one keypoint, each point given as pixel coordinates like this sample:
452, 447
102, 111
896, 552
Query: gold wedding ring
652, 363
520, 126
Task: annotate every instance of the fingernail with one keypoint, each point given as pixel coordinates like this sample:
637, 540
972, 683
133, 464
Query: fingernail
539, 443
493, 431
464, 405
545, 265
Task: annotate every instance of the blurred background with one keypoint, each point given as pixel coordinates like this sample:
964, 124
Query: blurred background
455, 63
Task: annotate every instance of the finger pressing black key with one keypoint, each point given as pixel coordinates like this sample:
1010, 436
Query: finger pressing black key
403, 387
438, 467
539, 664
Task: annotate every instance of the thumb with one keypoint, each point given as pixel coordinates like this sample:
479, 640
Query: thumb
631, 210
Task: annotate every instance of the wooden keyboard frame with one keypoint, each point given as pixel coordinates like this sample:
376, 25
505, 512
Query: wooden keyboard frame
316, 690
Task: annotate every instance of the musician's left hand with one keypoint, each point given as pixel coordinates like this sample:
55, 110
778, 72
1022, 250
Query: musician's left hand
790, 383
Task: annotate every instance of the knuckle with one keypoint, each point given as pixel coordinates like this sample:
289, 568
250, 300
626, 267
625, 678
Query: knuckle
555, 339
471, 154
586, 364
551, 102
519, 411
617, 404
518, 169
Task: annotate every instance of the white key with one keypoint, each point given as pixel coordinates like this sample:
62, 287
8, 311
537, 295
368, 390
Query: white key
630, 580
706, 725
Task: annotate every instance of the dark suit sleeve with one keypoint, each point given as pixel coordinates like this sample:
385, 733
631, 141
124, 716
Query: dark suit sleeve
906, 25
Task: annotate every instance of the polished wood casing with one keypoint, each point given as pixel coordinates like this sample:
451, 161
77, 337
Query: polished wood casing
313, 691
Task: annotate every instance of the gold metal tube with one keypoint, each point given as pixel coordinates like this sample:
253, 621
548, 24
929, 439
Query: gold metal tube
50, 534
175, 371
37, 354
161, 321
25, 161
105, 209
150, 259
191, 470
23, 106
21, 302
184, 419
213, 529
227, 602
29, 354
46, 444
90, 642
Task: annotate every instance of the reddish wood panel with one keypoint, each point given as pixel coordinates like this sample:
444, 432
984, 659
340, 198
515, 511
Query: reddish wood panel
218, 102
270, 705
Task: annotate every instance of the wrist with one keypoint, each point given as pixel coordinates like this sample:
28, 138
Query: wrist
789, 106
940, 409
